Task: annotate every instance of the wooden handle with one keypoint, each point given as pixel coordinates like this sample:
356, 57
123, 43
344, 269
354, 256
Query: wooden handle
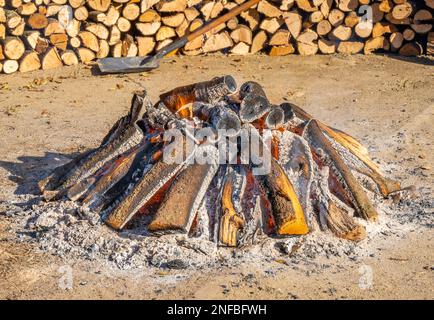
214, 23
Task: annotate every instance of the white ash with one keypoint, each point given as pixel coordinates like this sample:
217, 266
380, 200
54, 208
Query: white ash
64, 230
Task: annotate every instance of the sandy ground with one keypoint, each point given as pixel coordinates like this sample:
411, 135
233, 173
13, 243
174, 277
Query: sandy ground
387, 103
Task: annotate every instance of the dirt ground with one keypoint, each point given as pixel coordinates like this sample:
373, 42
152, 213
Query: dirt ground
385, 102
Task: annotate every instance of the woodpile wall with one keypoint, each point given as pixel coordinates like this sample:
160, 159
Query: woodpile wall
47, 34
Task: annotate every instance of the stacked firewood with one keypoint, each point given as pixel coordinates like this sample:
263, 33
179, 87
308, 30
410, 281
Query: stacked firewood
46, 34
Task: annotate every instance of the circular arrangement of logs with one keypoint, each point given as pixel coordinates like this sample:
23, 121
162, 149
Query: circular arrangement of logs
46, 34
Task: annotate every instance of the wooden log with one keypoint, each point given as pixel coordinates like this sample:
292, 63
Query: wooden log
350, 47
51, 59
232, 24
2, 31
430, 44
131, 11
348, 5
316, 17
191, 13
326, 7
411, 49
2, 15
89, 40
182, 29
59, 40
306, 5
18, 30
37, 21
216, 10
164, 33
280, 38
145, 45
31, 38
377, 14
73, 28
76, 3
129, 48
171, 5
150, 16
15, 3
85, 55
218, 42
99, 30
306, 43
13, 48
402, 11
13, 19
147, 4
240, 48
258, 42
104, 49
327, 46
323, 28
364, 29
81, 13
10, 66
69, 58
352, 19
123, 24
286, 5
53, 26
418, 24
42, 45
242, 34
380, 28
116, 50
115, 35
281, 50
173, 20
26, 9
270, 25
341, 33
75, 42
396, 39
429, 3
51, 10
252, 17
30, 62
99, 5
391, 19
206, 9
336, 17
408, 34
268, 9
162, 44
111, 16
374, 44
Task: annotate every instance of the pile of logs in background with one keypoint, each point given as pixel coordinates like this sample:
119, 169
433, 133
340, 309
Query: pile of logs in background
47, 34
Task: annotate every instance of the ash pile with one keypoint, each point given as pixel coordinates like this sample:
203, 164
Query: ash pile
213, 166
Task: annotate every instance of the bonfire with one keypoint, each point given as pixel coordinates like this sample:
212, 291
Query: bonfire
226, 164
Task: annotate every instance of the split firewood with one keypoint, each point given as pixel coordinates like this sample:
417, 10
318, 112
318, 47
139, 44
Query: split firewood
402, 11
85, 55
282, 50
69, 58
147, 4
323, 28
89, 40
294, 23
268, 9
341, 33
270, 25
171, 5
218, 42
99, 5
364, 29
336, 17
52, 27
242, 34
377, 43
18, 30
81, 13
352, 19
104, 49
280, 38
327, 46
2, 31
51, 59
30, 62
382, 28
98, 30
13, 19
131, 11
145, 45
129, 47
241, 48
148, 28
252, 17
306, 5
307, 44
258, 42
59, 40
418, 24
27, 9
408, 34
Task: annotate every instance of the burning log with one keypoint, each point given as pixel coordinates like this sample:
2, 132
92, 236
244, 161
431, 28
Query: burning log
290, 176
